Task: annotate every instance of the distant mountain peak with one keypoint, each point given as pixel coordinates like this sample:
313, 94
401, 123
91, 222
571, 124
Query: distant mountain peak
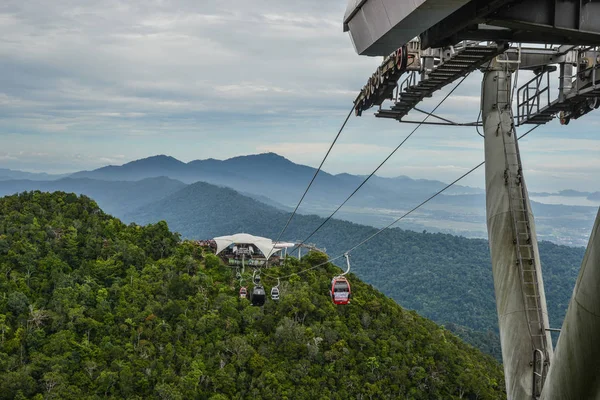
157, 159
270, 156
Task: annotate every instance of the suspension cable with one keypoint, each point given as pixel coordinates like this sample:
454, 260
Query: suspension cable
382, 229
528, 132
380, 165
312, 180
396, 220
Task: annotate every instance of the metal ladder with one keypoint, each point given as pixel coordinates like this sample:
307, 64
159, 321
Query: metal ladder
525, 261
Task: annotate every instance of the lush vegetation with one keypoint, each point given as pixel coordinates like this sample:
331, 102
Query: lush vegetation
93, 308
445, 278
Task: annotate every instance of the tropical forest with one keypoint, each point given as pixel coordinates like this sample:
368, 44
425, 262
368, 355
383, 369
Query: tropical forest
91, 307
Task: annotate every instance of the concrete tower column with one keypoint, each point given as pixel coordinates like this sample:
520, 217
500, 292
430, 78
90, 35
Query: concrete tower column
575, 371
501, 164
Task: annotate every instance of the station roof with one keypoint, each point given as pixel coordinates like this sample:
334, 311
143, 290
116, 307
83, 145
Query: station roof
265, 245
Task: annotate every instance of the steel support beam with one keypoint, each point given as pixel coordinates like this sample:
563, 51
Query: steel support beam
378, 27
531, 21
574, 19
537, 59
501, 155
575, 371
445, 32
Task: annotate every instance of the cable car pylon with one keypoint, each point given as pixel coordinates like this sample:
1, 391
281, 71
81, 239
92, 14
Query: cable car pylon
577, 354
520, 298
450, 37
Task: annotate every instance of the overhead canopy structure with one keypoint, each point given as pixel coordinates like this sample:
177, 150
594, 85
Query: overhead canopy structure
378, 27
265, 245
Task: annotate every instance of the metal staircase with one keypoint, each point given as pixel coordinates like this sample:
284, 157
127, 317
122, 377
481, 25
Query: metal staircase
525, 262
454, 63
534, 106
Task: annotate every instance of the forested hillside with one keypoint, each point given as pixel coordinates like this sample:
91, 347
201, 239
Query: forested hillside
446, 278
90, 308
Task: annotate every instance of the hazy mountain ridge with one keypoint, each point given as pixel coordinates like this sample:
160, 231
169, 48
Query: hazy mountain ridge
274, 176
594, 196
213, 210
115, 197
10, 174
277, 181
565, 192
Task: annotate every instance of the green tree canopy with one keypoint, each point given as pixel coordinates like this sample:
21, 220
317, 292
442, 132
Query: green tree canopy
93, 308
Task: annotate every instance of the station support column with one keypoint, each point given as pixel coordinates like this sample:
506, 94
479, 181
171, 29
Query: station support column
575, 372
502, 163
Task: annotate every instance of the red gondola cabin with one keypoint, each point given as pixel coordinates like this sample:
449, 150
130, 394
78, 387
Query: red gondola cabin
243, 292
340, 290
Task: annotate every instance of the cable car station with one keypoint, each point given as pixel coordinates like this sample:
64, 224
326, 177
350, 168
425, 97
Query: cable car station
243, 250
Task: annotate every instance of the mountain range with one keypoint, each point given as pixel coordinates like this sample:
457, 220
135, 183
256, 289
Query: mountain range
276, 177
117, 197
570, 193
9, 174
274, 180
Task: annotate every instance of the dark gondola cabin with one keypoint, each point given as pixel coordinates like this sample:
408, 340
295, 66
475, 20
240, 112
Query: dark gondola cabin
340, 290
243, 292
257, 298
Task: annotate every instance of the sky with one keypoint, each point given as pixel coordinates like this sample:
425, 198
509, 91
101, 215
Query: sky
86, 84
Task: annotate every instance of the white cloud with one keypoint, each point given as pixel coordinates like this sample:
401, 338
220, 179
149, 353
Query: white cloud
560, 145
214, 78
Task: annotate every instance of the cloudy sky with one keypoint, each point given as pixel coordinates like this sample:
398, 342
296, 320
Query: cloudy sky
85, 84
